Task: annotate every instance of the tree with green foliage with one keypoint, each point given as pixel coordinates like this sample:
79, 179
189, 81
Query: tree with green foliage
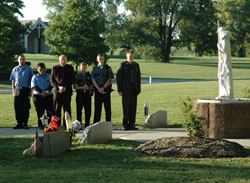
234, 15
115, 24
198, 28
11, 32
154, 26
76, 28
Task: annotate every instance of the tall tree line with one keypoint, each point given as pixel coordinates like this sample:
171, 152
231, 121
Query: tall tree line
152, 27
234, 15
83, 28
11, 32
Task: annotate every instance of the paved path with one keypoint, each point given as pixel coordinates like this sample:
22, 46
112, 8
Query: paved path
140, 135
5, 89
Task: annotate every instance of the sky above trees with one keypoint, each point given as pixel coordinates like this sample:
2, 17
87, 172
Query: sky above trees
33, 10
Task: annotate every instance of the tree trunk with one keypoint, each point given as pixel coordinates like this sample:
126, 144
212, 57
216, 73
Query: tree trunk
167, 52
242, 51
167, 48
198, 54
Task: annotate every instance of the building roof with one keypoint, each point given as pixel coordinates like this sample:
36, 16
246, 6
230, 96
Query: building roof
33, 22
28, 21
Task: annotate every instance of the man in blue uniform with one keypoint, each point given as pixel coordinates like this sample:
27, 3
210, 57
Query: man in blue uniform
129, 86
62, 77
84, 89
102, 76
42, 94
21, 76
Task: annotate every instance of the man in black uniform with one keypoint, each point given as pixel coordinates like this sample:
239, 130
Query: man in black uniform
61, 78
102, 76
84, 88
129, 86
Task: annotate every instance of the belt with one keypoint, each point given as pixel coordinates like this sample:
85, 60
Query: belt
20, 88
82, 91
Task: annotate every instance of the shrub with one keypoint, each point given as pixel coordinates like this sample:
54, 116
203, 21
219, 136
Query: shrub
192, 122
246, 92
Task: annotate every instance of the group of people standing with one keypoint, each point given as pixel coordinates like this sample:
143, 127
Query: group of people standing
61, 80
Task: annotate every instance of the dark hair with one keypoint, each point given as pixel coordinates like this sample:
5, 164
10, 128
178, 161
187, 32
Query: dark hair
130, 51
83, 63
101, 55
41, 65
22, 56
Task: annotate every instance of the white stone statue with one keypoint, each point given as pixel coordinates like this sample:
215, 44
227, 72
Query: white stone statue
225, 77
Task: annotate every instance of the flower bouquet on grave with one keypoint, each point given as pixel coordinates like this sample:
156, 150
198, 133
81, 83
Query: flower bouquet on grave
53, 126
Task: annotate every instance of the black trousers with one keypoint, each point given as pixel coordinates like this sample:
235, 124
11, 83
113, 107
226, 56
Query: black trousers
83, 100
43, 104
129, 104
22, 105
99, 99
62, 100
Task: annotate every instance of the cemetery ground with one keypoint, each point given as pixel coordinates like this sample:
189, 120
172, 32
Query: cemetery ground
201, 74
113, 162
116, 161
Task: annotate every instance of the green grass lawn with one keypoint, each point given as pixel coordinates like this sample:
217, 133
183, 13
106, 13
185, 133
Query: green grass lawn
189, 67
113, 162
163, 96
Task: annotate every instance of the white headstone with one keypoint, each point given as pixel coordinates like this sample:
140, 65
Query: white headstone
157, 119
97, 133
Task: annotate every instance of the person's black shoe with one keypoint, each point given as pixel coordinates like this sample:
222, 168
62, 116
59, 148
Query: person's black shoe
26, 127
133, 128
126, 128
18, 127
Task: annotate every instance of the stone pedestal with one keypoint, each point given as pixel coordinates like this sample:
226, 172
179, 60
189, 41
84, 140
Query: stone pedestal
225, 118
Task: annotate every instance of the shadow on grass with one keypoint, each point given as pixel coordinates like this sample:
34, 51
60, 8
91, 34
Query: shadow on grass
175, 126
123, 58
206, 62
198, 63
112, 162
241, 65
117, 56
184, 58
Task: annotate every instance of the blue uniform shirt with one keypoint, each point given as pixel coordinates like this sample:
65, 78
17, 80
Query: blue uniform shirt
21, 76
82, 80
43, 82
102, 74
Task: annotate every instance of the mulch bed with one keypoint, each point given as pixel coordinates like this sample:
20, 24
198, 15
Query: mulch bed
188, 147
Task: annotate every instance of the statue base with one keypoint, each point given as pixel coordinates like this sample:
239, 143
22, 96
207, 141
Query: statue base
225, 118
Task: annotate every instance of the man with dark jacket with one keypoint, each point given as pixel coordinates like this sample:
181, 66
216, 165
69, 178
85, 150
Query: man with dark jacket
62, 78
129, 86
